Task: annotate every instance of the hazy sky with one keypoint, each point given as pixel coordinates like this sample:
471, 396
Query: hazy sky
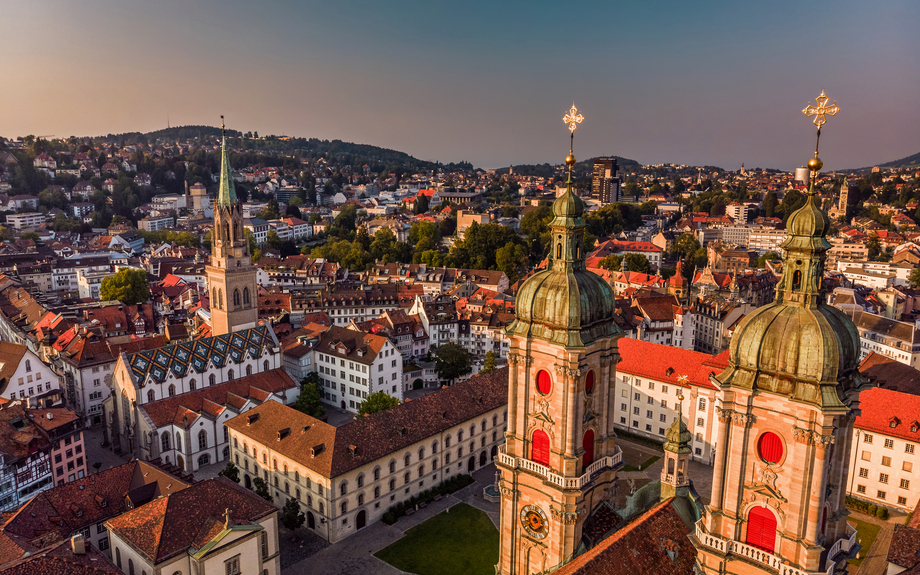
484, 81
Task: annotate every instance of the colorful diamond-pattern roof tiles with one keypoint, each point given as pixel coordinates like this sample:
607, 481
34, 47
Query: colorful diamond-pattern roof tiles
181, 358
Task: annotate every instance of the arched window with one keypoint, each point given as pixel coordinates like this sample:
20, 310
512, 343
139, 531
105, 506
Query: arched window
343, 488
164, 441
344, 507
202, 440
265, 366
797, 280
539, 448
407, 459
361, 481
482, 426
192, 385
558, 251
248, 370
434, 447
230, 375
377, 473
460, 435
421, 452
178, 441
204, 459
472, 429
587, 443
392, 485
494, 420
287, 487
212, 380
246, 299
447, 442
118, 557
361, 499
28, 365
226, 234
172, 390
236, 298
392, 466
236, 443
220, 298
130, 566
275, 463
761, 529
265, 457
151, 396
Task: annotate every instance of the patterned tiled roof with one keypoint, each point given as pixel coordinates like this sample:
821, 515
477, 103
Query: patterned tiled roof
181, 357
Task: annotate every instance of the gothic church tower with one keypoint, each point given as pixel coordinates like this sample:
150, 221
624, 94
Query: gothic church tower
231, 275
560, 458
786, 409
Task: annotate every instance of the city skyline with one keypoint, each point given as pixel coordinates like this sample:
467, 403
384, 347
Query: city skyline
673, 83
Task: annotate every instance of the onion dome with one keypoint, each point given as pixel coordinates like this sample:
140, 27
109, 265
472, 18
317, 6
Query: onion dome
678, 437
798, 346
566, 304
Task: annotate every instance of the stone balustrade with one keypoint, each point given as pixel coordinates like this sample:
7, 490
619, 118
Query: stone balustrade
610, 462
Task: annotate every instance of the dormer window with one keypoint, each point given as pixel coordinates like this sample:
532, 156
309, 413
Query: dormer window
893, 422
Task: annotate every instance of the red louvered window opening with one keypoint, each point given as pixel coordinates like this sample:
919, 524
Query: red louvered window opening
770, 447
544, 382
587, 443
589, 382
539, 449
761, 530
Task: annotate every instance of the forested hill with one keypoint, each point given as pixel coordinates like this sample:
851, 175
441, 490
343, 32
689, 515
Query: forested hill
908, 162
548, 170
333, 151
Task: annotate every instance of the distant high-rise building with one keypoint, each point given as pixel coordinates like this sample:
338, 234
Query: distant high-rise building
605, 182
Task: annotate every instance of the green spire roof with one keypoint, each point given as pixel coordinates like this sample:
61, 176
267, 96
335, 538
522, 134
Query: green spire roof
226, 196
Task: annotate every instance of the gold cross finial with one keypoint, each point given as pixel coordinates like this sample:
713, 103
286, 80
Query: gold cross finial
821, 110
223, 129
573, 118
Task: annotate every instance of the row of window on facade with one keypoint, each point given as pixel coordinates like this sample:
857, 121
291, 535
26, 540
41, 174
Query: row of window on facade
212, 380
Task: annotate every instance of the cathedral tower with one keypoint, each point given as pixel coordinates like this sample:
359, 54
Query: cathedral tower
560, 458
786, 409
231, 275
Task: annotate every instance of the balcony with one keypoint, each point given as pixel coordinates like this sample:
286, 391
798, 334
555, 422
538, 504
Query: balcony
839, 550
614, 461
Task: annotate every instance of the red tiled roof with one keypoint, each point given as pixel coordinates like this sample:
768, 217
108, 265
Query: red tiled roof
644, 546
904, 550
885, 372
883, 407
170, 525
376, 435
655, 360
184, 409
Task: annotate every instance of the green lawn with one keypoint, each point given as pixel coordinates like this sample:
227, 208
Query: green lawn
865, 534
645, 465
463, 541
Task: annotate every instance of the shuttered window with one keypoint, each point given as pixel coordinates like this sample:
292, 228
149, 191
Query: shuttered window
539, 450
544, 382
587, 443
761, 531
770, 447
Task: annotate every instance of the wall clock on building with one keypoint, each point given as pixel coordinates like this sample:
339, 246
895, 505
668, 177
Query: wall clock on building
533, 519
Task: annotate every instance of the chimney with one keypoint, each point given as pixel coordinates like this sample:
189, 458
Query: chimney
78, 544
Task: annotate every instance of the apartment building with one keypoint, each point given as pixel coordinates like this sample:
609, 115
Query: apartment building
765, 240
23, 375
354, 364
650, 379
895, 339
885, 464
25, 221
346, 477
155, 223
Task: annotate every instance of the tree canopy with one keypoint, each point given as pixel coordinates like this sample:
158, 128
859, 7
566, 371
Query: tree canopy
129, 286
451, 361
309, 401
377, 402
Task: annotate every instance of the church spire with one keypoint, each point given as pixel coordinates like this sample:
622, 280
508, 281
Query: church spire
226, 196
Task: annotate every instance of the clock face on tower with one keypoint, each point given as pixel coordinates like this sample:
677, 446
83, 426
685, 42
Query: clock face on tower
534, 521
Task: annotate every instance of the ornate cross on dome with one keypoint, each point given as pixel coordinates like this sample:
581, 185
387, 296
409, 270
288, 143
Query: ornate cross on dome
573, 118
821, 110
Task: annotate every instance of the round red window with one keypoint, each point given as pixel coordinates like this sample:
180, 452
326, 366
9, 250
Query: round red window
589, 382
544, 383
770, 447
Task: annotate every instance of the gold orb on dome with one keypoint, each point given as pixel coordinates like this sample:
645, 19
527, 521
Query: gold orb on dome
815, 164
570, 160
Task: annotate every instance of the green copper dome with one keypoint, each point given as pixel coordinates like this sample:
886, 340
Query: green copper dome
678, 437
798, 346
566, 304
